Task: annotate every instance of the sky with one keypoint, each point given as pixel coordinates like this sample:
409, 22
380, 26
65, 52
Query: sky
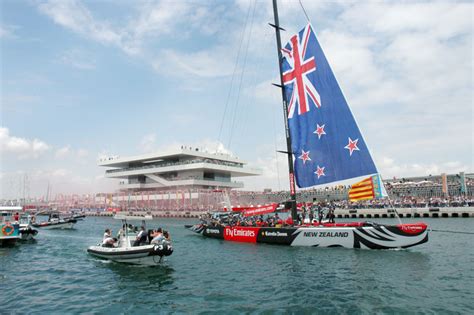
85, 79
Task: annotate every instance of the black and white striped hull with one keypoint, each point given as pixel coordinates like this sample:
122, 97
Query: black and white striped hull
364, 237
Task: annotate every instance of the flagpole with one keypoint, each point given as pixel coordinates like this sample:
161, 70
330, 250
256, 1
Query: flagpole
289, 152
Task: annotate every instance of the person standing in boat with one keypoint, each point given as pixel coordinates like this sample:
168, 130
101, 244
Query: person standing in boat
303, 212
331, 215
311, 215
320, 214
141, 237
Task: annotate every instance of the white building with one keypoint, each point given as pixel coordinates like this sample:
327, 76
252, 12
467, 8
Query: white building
184, 168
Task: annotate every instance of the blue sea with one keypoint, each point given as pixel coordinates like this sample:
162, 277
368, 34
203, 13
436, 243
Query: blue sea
55, 275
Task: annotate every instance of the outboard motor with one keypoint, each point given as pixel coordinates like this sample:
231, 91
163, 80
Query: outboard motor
164, 249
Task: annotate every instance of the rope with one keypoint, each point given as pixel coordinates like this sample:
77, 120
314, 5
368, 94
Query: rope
241, 78
448, 231
233, 73
304, 11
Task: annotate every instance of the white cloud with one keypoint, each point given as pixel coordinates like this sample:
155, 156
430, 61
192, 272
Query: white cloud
158, 18
213, 146
203, 64
78, 59
82, 153
62, 152
24, 148
7, 31
76, 17
147, 144
60, 173
152, 20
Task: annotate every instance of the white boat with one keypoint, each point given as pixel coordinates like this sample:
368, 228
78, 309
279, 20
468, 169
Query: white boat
125, 252
9, 229
25, 231
55, 222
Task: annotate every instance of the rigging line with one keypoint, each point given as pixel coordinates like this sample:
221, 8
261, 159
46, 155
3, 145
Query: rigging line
242, 76
389, 199
304, 11
236, 108
233, 74
275, 139
252, 99
449, 231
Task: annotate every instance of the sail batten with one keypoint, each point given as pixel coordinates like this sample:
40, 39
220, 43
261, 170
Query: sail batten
325, 138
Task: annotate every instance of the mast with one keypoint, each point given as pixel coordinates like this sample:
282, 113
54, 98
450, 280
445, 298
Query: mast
285, 114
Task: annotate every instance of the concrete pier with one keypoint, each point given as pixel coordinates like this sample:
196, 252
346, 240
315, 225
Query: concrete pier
447, 212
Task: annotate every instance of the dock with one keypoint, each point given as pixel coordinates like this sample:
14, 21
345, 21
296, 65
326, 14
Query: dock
447, 212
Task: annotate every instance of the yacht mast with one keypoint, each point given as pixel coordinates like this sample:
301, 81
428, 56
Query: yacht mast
289, 153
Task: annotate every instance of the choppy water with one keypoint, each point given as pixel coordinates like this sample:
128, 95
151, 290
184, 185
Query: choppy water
56, 275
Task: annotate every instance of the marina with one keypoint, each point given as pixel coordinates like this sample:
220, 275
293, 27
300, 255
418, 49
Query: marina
216, 275
116, 214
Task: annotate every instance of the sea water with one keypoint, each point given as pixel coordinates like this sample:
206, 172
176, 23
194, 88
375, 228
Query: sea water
56, 275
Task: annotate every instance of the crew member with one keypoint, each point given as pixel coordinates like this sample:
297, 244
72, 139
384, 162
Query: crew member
141, 237
157, 237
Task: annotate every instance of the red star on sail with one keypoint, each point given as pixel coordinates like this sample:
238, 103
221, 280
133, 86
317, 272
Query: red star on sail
319, 130
352, 146
320, 171
304, 156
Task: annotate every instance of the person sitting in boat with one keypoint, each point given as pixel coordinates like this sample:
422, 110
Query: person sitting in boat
289, 221
157, 236
16, 217
108, 240
107, 234
141, 237
167, 236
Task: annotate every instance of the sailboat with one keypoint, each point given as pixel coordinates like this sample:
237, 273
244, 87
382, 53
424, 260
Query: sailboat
324, 146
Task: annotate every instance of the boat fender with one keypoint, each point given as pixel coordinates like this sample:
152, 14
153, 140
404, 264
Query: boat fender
8, 229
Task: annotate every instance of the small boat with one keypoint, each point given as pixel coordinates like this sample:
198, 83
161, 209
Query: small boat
143, 254
55, 222
27, 232
77, 217
9, 230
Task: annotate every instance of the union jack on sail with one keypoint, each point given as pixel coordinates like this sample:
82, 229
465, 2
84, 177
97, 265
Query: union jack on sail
301, 65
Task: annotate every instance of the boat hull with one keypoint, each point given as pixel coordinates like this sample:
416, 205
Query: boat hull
150, 255
8, 240
57, 226
9, 234
344, 235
